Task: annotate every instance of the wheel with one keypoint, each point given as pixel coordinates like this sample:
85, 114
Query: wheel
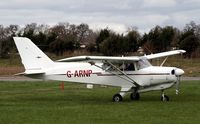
164, 98
117, 98
135, 96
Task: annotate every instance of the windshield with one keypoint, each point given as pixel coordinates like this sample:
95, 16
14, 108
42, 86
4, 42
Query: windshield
143, 63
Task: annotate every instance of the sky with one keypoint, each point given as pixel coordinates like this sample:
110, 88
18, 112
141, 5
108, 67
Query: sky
117, 15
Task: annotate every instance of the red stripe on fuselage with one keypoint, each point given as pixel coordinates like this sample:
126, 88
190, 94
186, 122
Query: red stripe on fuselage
100, 74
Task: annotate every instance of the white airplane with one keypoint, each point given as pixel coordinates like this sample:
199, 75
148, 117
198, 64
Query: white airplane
132, 74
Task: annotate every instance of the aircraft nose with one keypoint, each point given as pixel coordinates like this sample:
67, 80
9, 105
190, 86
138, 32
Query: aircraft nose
179, 72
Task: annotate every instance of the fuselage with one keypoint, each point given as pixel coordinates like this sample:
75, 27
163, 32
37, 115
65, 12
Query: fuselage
83, 72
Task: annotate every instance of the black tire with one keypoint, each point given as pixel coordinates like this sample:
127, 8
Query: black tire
165, 98
135, 96
117, 98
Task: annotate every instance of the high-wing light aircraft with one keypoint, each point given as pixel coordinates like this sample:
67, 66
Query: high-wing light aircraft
132, 74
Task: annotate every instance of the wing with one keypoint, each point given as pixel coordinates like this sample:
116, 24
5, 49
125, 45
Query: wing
99, 58
164, 54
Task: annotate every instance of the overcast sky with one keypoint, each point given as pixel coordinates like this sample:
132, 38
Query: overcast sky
118, 15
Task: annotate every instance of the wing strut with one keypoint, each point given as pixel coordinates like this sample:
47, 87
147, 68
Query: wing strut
164, 61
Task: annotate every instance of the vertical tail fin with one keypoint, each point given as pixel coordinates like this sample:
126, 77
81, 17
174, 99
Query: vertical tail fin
32, 57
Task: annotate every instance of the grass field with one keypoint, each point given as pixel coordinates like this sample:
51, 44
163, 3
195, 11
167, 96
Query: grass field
45, 103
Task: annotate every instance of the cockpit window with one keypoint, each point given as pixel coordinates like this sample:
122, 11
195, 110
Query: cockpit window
143, 63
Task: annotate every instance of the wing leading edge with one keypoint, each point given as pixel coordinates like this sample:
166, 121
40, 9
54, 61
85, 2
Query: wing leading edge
98, 58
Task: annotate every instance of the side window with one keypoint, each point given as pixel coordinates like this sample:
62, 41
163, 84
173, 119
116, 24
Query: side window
107, 67
130, 67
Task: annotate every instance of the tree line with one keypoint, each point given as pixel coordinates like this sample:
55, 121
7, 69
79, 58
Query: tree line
70, 37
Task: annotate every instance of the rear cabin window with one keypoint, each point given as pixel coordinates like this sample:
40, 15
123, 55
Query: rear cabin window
121, 66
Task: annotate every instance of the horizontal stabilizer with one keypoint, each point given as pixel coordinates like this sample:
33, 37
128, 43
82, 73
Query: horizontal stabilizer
19, 74
30, 73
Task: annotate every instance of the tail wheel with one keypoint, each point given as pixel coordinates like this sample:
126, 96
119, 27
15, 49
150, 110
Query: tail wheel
117, 98
135, 96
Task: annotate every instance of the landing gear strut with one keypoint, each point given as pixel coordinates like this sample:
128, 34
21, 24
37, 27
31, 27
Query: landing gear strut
164, 97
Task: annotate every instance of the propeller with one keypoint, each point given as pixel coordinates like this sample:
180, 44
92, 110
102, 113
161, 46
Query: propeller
178, 72
177, 84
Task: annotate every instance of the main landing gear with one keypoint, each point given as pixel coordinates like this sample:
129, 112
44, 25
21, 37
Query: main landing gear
135, 96
119, 97
164, 97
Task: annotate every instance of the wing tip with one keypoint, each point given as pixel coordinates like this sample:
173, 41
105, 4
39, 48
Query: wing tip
182, 51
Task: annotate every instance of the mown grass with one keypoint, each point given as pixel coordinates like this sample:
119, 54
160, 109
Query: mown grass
45, 103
